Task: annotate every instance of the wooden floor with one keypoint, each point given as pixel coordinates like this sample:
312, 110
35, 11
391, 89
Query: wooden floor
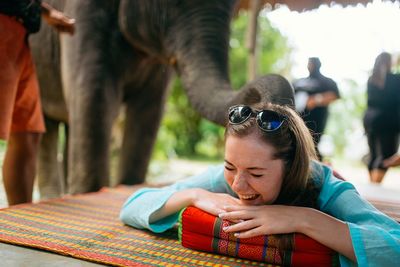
15, 256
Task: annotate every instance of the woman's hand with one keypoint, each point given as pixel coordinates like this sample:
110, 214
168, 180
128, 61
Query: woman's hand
261, 220
213, 203
210, 202
277, 219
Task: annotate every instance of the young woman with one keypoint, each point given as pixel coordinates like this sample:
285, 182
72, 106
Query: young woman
271, 184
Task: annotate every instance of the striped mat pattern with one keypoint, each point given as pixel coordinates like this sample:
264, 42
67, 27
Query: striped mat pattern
87, 227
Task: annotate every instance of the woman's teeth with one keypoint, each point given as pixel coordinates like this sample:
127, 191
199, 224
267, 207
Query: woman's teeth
249, 197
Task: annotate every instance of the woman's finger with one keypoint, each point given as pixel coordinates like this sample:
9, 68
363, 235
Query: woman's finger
250, 233
241, 226
235, 215
239, 207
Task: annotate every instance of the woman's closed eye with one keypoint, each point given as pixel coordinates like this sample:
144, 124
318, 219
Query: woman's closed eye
256, 175
228, 168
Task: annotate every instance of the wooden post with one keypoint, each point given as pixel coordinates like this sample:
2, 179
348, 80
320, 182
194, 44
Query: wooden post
251, 42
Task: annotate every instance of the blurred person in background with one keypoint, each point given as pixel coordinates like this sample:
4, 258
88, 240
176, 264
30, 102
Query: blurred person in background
313, 96
21, 118
382, 117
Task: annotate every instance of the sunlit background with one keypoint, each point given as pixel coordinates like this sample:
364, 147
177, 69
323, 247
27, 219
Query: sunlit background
347, 40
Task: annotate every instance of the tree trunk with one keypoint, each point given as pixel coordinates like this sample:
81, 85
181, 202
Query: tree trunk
251, 42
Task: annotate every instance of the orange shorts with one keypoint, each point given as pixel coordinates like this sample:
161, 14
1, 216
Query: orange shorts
20, 107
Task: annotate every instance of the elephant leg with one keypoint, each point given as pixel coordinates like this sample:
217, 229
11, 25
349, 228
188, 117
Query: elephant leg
142, 121
88, 166
49, 175
91, 117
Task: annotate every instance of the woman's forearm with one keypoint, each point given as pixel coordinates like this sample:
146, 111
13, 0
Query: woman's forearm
327, 230
175, 203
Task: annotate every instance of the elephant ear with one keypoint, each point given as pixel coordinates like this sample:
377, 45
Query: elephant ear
271, 88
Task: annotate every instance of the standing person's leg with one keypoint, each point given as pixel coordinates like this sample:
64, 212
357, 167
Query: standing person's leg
11, 47
377, 175
21, 115
372, 144
19, 167
389, 143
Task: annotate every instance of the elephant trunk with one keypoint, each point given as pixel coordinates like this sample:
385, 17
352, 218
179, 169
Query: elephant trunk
201, 54
211, 94
200, 47
208, 90
194, 35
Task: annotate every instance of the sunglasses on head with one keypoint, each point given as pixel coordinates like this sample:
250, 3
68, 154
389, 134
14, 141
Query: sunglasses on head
267, 120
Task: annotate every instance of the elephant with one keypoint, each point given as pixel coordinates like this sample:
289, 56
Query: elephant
123, 53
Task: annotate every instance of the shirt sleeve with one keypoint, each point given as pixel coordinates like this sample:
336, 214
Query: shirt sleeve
375, 236
137, 210
332, 87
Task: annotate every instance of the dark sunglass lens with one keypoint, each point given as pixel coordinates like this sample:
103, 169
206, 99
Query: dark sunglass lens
269, 120
239, 114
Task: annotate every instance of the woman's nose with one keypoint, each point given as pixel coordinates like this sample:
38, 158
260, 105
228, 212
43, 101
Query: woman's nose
239, 182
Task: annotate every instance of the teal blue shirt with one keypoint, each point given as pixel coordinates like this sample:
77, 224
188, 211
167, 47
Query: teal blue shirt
375, 236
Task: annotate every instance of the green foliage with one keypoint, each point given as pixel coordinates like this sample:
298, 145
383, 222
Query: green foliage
346, 115
183, 132
211, 144
181, 122
2, 145
275, 50
272, 50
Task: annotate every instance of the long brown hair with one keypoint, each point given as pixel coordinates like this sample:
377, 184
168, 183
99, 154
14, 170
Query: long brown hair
381, 68
294, 145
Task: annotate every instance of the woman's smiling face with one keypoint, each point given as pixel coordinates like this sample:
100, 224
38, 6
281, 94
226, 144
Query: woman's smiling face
251, 170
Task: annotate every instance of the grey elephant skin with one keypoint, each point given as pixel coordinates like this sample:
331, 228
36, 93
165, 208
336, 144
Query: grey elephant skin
124, 53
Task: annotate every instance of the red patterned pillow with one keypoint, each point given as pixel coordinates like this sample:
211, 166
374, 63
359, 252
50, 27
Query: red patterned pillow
200, 230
